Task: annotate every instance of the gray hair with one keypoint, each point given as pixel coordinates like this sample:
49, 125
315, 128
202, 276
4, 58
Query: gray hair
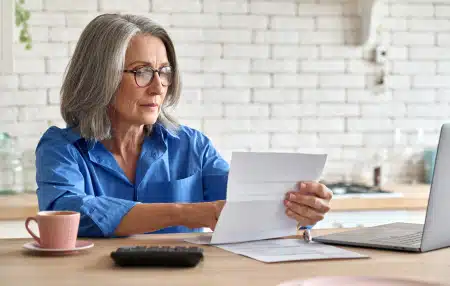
95, 70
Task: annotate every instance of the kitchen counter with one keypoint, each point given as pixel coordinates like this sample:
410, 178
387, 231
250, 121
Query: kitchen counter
407, 197
20, 206
403, 197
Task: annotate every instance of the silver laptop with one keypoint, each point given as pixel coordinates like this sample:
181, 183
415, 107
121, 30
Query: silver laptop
433, 234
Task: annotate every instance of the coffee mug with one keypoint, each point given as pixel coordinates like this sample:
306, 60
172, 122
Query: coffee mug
57, 229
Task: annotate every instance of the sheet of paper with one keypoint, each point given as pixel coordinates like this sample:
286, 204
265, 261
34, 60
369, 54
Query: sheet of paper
278, 250
257, 185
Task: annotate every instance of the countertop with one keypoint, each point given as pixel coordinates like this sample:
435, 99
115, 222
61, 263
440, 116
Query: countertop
409, 197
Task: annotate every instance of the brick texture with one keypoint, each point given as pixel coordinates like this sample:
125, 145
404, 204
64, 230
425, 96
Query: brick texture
261, 75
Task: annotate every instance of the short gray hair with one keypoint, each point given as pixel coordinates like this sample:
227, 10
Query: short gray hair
95, 70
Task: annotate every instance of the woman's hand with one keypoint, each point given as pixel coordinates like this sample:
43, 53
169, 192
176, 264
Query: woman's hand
309, 203
202, 214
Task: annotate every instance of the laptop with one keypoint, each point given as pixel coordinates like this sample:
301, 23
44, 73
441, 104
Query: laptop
433, 234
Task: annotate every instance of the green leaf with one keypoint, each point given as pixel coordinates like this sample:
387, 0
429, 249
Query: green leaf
21, 20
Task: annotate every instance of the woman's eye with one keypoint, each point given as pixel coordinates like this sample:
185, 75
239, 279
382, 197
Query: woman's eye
142, 73
166, 70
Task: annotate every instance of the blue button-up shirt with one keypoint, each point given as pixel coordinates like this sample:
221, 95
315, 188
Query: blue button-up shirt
79, 175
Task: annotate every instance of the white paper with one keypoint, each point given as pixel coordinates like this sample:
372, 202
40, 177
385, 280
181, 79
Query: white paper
278, 250
257, 185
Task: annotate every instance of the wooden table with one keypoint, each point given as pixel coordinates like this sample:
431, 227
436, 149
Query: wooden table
94, 267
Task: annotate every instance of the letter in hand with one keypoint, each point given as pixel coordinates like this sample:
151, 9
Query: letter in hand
309, 203
203, 214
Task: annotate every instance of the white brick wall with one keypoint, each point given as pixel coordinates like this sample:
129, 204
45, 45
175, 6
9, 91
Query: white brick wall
226, 95
261, 75
292, 23
241, 21
292, 110
273, 8
272, 95
119, 5
70, 6
176, 6
226, 6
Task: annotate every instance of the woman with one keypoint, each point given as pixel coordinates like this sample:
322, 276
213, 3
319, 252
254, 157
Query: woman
123, 162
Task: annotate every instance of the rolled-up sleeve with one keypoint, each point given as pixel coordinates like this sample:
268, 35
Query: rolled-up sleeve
214, 173
62, 185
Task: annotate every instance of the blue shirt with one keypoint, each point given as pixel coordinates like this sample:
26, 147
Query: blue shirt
80, 175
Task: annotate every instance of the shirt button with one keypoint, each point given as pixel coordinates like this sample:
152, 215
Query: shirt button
154, 154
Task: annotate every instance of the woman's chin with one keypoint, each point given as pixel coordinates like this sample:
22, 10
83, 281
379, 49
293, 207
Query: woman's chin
150, 120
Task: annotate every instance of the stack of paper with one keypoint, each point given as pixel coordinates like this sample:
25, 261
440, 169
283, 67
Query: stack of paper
277, 250
254, 211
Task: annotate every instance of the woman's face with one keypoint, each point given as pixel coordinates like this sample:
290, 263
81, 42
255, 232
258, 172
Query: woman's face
137, 103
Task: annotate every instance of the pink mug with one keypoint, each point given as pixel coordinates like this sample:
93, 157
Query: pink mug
57, 229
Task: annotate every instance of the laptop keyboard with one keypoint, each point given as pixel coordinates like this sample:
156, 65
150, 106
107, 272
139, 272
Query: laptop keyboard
411, 239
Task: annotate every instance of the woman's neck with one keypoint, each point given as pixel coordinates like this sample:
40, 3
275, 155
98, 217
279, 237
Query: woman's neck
126, 139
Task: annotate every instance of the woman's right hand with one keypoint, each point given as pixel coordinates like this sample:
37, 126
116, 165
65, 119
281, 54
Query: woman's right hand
202, 214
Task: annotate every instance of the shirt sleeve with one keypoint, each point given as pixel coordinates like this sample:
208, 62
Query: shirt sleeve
62, 186
214, 173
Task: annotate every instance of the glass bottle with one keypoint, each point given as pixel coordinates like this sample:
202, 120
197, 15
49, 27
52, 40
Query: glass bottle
11, 167
380, 171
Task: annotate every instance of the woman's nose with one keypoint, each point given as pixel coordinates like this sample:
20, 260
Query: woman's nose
155, 86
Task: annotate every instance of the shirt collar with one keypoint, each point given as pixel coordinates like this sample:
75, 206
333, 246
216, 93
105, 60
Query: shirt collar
159, 131
74, 137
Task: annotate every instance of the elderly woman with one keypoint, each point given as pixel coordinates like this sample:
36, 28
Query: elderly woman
123, 162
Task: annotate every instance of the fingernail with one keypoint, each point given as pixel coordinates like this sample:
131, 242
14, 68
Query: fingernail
292, 197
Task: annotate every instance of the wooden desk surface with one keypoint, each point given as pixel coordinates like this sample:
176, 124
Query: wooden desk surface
94, 267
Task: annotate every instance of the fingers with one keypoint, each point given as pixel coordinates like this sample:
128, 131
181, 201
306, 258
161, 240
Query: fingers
302, 220
309, 204
304, 212
218, 208
313, 188
313, 202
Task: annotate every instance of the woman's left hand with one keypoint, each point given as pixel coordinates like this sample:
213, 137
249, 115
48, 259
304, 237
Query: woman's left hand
309, 203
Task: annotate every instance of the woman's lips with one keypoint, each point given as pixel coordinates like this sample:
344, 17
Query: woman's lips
152, 106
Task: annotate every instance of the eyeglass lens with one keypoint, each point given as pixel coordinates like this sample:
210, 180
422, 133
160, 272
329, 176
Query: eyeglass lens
145, 75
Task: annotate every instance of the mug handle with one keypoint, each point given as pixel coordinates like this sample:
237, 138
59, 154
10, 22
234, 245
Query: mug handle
30, 231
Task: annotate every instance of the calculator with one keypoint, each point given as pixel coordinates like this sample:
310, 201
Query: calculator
157, 256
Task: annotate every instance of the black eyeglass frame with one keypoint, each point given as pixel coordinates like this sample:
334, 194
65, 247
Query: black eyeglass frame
158, 71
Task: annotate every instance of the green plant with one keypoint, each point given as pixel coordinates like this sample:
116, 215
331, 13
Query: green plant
22, 17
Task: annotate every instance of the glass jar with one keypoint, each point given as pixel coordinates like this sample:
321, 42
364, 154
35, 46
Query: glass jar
11, 167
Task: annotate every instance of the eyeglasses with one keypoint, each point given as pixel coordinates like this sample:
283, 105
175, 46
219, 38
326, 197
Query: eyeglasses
143, 76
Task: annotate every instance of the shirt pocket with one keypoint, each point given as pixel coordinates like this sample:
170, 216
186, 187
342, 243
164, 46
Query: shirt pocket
184, 190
